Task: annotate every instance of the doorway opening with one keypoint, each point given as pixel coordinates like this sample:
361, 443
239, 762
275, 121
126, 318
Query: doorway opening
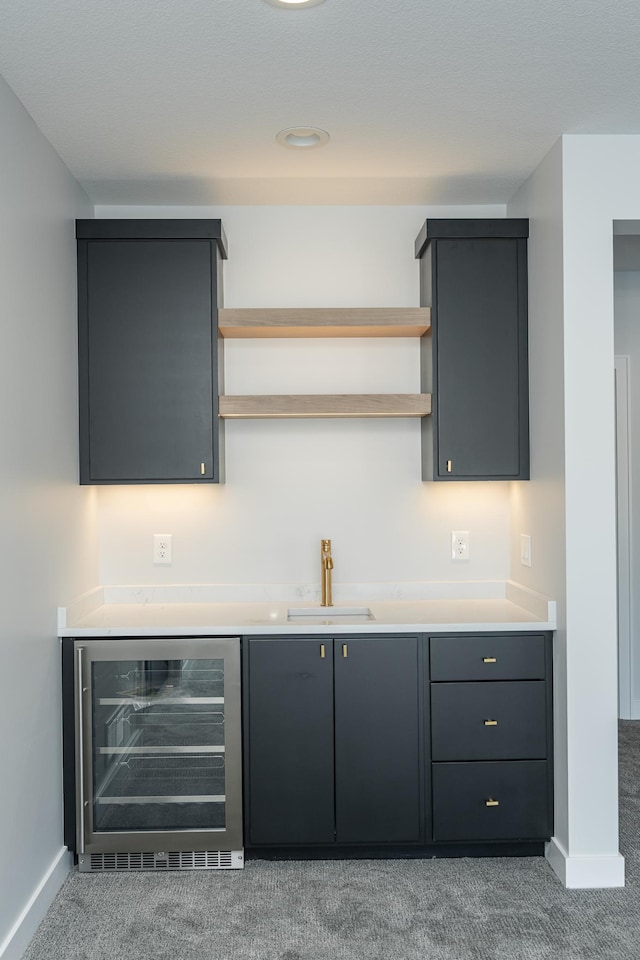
623, 524
626, 262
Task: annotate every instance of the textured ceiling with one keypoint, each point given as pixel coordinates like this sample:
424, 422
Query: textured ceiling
426, 102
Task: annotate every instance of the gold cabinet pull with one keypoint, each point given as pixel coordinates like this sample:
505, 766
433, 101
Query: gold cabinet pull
345, 652
491, 723
489, 660
202, 469
449, 466
491, 803
322, 651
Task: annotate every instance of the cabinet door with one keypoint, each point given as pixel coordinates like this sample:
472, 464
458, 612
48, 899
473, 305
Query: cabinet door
480, 359
290, 742
148, 379
376, 743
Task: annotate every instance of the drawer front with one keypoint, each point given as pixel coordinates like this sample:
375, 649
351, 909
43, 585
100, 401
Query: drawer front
490, 657
489, 721
491, 801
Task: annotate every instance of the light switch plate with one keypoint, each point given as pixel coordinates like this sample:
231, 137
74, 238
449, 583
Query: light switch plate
525, 549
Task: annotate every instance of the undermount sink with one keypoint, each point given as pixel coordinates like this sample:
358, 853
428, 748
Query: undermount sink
309, 614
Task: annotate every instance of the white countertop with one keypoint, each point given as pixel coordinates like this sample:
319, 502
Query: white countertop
201, 610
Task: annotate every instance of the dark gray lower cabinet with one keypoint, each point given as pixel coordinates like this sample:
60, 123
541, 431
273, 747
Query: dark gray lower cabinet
404, 741
333, 741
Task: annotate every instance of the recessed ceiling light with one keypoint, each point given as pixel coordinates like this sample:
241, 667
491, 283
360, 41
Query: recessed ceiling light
294, 4
302, 138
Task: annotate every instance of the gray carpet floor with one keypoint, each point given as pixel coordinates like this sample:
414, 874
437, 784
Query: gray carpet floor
489, 909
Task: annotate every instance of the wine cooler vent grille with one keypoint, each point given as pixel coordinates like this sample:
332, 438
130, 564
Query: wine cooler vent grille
172, 860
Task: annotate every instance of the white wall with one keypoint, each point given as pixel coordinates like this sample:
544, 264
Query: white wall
47, 521
627, 343
599, 184
289, 483
538, 507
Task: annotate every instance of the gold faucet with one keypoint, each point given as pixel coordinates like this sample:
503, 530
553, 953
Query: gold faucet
326, 565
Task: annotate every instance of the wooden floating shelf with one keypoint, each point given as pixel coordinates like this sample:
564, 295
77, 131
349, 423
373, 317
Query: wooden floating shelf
281, 406
325, 322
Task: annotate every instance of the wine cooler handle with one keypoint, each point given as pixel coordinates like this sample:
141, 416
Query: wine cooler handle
80, 741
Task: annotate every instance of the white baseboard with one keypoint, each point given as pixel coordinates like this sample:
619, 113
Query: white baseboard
584, 873
17, 940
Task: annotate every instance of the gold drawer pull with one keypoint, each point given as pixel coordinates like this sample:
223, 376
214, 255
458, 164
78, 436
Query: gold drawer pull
489, 660
491, 723
492, 803
322, 653
345, 652
449, 466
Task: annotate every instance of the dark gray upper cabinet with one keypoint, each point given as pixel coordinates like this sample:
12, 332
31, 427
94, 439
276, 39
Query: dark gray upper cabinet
474, 362
149, 355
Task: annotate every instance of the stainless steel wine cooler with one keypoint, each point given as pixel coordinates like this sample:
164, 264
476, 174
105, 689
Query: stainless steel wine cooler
158, 754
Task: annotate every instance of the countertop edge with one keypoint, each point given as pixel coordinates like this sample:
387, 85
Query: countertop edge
293, 630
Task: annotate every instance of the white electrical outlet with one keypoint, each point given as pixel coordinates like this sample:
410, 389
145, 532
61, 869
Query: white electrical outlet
459, 544
525, 549
162, 548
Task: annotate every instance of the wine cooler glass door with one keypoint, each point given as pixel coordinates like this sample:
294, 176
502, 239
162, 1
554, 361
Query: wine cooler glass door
158, 750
